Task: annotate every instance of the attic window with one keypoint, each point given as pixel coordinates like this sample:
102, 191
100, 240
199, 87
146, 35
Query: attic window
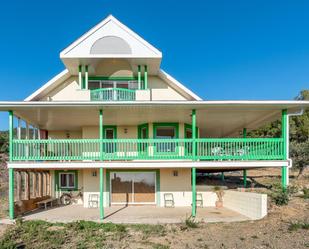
110, 45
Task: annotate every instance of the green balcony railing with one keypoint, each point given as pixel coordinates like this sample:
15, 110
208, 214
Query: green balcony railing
112, 94
148, 149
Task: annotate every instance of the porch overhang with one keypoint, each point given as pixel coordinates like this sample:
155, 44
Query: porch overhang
209, 165
219, 118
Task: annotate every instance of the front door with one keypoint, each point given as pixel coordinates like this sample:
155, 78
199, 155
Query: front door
110, 132
143, 134
133, 188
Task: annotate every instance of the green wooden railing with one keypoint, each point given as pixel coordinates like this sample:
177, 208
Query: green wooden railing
148, 149
112, 94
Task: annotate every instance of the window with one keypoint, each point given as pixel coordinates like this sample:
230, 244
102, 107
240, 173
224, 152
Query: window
165, 132
67, 180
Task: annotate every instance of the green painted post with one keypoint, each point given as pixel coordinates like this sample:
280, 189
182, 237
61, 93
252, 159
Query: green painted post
11, 170
284, 170
222, 176
101, 194
244, 133
193, 116
139, 77
80, 76
146, 78
101, 135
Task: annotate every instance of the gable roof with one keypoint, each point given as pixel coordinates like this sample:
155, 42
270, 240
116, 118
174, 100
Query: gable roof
110, 27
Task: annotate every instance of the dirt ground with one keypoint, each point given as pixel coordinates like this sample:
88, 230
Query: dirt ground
274, 231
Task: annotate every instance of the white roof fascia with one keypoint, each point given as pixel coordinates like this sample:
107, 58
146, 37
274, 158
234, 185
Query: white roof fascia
176, 84
101, 24
203, 103
50, 84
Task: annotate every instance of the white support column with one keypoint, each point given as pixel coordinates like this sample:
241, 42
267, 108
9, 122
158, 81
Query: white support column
86, 77
19, 129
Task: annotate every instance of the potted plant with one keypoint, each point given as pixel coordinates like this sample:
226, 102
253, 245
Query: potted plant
220, 193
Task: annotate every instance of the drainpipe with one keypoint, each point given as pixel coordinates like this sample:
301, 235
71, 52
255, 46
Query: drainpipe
300, 113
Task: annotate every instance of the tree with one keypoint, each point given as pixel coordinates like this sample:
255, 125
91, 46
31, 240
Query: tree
299, 135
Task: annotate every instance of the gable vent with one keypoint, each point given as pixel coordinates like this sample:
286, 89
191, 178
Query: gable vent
110, 45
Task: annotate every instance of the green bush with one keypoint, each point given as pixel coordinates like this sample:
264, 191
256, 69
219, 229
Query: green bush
191, 223
280, 197
294, 226
306, 193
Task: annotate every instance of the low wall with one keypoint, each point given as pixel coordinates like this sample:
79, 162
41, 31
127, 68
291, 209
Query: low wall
252, 205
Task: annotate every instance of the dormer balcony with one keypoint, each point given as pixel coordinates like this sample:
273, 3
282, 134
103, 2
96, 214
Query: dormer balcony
120, 89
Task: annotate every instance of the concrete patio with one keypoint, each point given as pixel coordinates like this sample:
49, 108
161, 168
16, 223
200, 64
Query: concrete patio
135, 214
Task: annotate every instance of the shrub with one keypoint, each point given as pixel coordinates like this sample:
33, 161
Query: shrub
306, 193
280, 197
294, 226
191, 223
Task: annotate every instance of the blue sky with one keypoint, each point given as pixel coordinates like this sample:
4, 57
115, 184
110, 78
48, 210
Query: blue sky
252, 50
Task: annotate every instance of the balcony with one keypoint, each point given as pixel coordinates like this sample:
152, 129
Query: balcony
112, 94
219, 149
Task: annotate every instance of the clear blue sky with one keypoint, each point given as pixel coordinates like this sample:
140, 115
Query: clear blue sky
253, 50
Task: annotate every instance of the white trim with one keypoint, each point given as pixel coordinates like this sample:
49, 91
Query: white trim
151, 164
285, 104
101, 24
176, 84
59, 78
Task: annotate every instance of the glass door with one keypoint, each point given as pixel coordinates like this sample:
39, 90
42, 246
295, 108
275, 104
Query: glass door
133, 187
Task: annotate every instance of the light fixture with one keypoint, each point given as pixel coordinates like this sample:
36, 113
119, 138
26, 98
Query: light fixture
125, 130
94, 173
175, 172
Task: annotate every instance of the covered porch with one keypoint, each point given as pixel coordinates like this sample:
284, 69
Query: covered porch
135, 214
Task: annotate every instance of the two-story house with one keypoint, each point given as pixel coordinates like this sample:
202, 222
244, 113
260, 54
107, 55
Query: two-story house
116, 126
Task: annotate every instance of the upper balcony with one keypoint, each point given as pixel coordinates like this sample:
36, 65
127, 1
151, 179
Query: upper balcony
114, 90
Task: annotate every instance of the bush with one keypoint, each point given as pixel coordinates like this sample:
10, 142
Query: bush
191, 223
281, 197
294, 226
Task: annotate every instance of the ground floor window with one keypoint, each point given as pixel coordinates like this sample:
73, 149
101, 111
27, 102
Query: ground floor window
66, 180
133, 187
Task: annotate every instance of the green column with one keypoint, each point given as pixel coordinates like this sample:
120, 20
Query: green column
139, 77
101, 169
101, 134
11, 170
101, 194
80, 76
146, 78
284, 170
244, 133
194, 158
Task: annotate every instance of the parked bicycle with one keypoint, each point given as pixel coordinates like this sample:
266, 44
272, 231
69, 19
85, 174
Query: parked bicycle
69, 197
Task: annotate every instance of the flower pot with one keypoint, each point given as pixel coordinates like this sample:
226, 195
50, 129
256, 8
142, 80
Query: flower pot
219, 204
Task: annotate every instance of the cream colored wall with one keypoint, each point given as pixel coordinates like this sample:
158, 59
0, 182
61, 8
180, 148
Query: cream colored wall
114, 68
71, 90
68, 90
180, 187
63, 134
160, 90
93, 132
92, 186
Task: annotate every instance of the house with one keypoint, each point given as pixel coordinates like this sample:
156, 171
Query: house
118, 128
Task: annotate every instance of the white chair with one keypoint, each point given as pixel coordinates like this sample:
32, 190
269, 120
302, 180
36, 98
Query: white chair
199, 200
169, 200
93, 201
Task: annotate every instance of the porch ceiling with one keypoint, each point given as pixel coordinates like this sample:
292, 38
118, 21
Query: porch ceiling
214, 118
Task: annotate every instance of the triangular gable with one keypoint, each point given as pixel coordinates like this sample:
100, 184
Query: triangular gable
107, 37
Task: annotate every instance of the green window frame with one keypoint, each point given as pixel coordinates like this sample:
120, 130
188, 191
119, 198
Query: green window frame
166, 149
112, 146
57, 180
143, 147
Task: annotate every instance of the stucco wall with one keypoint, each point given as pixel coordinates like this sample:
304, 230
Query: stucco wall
160, 90
114, 68
64, 134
